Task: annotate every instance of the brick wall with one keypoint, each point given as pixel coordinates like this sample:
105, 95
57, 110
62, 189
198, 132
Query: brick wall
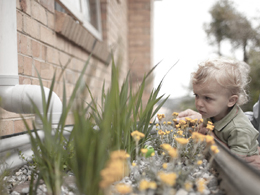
140, 40
126, 29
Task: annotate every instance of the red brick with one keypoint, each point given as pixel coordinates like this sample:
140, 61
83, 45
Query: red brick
50, 20
18, 42
31, 27
20, 127
47, 71
36, 66
60, 42
39, 13
43, 52
24, 80
7, 127
35, 82
20, 64
18, 6
47, 35
36, 49
48, 4
27, 66
24, 5
52, 56
63, 58
24, 45
19, 19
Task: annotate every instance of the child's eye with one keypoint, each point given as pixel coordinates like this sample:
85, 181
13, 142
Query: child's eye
195, 95
208, 98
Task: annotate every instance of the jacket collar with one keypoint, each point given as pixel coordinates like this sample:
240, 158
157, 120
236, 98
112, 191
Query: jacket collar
219, 125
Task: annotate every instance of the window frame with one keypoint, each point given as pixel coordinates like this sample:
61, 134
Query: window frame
70, 8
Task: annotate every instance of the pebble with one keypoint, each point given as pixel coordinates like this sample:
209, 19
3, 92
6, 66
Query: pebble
181, 192
23, 175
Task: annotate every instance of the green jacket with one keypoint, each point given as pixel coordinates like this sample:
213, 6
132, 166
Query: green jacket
237, 132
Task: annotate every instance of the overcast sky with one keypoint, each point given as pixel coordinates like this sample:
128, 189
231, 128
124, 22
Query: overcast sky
179, 35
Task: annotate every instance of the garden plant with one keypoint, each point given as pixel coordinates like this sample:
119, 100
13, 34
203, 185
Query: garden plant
116, 138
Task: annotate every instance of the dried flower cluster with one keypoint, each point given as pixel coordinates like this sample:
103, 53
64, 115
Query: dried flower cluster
176, 143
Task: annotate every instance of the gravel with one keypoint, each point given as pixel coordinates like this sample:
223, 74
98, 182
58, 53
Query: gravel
18, 182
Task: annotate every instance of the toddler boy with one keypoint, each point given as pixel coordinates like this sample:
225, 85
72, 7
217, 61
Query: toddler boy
219, 88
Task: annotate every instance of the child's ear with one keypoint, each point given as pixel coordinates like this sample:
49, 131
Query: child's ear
232, 100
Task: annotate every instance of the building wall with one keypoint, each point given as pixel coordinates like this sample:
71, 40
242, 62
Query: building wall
43, 46
140, 40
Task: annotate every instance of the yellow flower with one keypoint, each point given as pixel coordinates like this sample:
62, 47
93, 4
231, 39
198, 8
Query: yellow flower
164, 122
182, 141
174, 120
123, 188
168, 178
163, 153
152, 185
175, 114
160, 116
199, 162
119, 154
182, 122
214, 149
157, 125
188, 186
143, 185
168, 132
200, 121
187, 119
173, 152
144, 150
116, 169
210, 140
180, 132
210, 123
194, 121
169, 123
165, 165
161, 132
197, 136
166, 146
137, 135
133, 164
153, 154
210, 127
201, 185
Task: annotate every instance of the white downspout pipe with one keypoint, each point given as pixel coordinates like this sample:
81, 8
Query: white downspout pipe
15, 97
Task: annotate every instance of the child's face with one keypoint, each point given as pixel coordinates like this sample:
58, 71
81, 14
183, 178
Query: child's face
212, 100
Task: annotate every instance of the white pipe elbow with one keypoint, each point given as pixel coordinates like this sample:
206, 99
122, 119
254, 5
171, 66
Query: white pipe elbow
18, 99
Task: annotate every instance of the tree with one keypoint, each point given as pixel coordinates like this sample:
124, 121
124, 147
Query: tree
241, 34
228, 24
254, 85
218, 29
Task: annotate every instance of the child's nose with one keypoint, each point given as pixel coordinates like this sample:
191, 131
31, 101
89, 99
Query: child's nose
199, 103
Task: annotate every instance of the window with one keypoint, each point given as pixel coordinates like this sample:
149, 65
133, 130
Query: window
87, 12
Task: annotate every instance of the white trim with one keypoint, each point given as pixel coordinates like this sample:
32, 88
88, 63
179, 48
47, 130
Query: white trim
97, 33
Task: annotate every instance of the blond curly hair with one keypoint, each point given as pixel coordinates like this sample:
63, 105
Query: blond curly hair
229, 73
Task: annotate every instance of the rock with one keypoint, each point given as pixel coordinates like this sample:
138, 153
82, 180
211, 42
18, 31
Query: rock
15, 193
181, 192
213, 182
25, 190
205, 176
